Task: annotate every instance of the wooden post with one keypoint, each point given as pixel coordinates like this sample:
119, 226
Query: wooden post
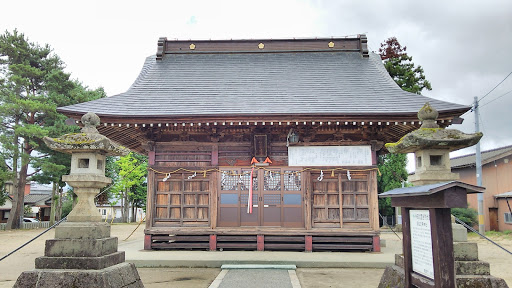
406, 246
151, 189
147, 242
376, 243
213, 242
308, 243
426, 214
442, 247
215, 155
260, 242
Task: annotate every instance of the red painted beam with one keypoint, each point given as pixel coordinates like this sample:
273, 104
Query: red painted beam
147, 242
213, 242
376, 243
309, 243
260, 242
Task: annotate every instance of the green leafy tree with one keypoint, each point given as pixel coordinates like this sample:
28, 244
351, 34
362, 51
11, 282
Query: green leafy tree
32, 85
393, 174
131, 185
401, 68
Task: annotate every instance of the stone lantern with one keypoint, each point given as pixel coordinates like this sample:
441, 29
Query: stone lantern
83, 251
431, 146
88, 151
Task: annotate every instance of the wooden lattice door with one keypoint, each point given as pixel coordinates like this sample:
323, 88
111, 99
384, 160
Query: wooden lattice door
277, 198
182, 200
339, 198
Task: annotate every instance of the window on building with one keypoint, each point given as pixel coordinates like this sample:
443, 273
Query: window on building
508, 218
104, 212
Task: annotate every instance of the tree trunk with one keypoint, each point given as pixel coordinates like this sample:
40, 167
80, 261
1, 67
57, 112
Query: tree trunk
126, 207
59, 206
14, 222
134, 216
54, 203
19, 197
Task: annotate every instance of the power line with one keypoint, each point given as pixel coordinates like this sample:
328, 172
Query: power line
495, 87
495, 98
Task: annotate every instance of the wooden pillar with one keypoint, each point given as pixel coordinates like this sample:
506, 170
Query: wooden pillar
442, 247
213, 242
260, 242
406, 246
376, 243
308, 243
151, 189
215, 155
147, 242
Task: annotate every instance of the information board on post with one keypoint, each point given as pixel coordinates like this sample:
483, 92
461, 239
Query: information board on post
421, 243
360, 155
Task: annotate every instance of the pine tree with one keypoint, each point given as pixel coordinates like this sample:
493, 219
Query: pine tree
32, 85
401, 68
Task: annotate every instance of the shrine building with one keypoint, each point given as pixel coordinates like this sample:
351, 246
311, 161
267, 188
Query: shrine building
266, 144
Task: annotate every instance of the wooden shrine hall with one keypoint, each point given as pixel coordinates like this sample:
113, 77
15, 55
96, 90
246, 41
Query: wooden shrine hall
266, 144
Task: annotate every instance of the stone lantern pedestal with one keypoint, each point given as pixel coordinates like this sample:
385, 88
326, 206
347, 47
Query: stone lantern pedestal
83, 254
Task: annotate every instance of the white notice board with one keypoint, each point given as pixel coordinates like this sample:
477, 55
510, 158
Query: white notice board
421, 243
330, 155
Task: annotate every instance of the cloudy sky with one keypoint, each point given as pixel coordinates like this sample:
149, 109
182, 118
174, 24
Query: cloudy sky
463, 46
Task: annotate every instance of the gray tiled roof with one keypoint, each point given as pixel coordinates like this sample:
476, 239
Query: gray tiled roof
34, 198
305, 83
489, 155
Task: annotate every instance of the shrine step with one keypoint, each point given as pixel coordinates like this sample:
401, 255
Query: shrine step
342, 243
262, 242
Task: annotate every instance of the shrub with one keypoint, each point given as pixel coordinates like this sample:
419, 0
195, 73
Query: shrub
466, 215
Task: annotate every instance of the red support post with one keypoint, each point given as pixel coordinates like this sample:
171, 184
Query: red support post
213, 242
376, 243
260, 242
309, 243
147, 242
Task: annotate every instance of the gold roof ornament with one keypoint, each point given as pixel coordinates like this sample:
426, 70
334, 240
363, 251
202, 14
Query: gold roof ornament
261, 45
331, 44
192, 46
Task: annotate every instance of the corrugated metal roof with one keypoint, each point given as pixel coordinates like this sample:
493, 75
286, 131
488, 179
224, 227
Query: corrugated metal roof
504, 195
294, 83
470, 159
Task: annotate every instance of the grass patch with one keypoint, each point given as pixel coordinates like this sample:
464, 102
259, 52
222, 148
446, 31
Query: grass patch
507, 234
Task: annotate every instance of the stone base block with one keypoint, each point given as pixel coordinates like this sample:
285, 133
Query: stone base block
84, 263
460, 234
394, 276
472, 268
80, 247
82, 230
465, 251
122, 275
470, 281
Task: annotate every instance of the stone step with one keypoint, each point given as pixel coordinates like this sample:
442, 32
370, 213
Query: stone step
80, 247
465, 251
472, 268
118, 276
83, 263
480, 281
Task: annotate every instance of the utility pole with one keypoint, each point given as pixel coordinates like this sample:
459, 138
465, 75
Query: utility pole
478, 162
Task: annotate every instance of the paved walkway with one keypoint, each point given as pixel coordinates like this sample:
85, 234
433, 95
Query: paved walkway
257, 276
